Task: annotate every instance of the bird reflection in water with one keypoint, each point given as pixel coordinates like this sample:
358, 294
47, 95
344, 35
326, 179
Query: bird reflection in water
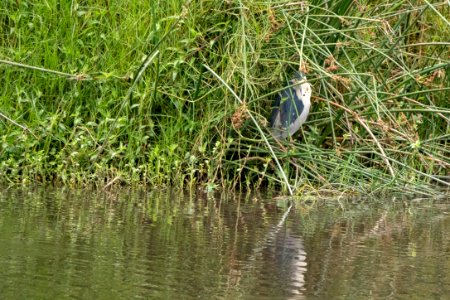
277, 266
285, 257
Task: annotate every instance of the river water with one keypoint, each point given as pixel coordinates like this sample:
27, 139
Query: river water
166, 244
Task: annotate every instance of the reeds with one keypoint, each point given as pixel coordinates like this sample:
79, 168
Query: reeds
163, 92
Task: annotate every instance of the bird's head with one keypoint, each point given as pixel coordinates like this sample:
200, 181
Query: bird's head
299, 76
300, 83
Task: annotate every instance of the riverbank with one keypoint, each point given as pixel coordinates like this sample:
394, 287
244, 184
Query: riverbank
158, 93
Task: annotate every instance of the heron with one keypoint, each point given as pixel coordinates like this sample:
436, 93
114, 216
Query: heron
291, 107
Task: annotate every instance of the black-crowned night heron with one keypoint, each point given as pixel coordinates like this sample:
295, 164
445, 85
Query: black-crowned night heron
291, 108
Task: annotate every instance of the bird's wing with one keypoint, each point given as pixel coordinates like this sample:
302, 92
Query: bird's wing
291, 108
275, 117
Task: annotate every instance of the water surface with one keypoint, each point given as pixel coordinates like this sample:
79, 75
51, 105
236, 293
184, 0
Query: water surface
65, 244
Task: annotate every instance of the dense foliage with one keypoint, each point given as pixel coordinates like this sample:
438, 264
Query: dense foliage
179, 92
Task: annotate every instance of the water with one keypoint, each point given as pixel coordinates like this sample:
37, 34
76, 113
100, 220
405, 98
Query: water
62, 244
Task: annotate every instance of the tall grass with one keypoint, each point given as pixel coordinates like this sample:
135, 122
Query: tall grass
175, 92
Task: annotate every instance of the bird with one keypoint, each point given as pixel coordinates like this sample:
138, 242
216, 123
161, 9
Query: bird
291, 107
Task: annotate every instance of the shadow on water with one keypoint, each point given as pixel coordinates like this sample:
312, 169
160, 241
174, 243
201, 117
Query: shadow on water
59, 244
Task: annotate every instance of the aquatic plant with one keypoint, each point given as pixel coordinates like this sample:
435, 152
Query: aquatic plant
173, 92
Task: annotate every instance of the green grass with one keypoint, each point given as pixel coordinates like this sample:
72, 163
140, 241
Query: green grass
175, 92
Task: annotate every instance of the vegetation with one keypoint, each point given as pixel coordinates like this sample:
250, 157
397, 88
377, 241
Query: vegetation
178, 92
